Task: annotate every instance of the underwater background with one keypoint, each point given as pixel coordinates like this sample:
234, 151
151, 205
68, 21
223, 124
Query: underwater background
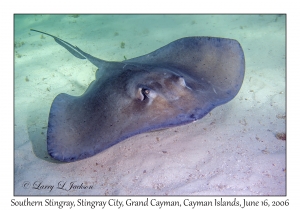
239, 148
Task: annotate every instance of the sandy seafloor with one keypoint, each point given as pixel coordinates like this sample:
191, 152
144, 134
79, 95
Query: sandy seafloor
231, 151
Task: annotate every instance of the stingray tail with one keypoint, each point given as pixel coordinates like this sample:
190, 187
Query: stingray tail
78, 53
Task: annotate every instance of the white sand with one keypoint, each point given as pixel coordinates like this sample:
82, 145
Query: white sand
231, 151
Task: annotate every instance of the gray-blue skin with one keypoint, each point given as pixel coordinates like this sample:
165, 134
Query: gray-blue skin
174, 85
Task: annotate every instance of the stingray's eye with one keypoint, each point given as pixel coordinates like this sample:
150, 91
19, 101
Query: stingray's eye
145, 93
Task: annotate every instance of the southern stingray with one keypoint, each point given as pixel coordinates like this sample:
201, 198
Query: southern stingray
174, 85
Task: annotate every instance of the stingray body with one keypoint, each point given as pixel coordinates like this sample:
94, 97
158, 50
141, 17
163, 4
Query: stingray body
174, 85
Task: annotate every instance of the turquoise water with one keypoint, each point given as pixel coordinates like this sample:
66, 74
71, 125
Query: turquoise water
243, 131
